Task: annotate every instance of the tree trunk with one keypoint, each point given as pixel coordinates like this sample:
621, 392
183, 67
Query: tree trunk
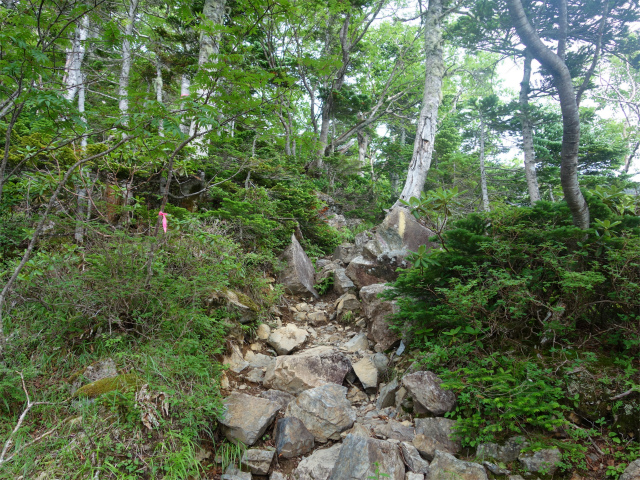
185, 86
126, 62
527, 133
483, 173
427, 122
75, 55
159, 86
363, 145
570, 115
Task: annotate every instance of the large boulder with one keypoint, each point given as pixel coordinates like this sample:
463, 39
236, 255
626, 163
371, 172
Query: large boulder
246, 417
395, 430
286, 339
377, 311
292, 437
319, 465
281, 398
311, 368
435, 434
412, 458
542, 461
445, 467
362, 458
365, 272
325, 411
347, 302
346, 252
299, 276
258, 460
632, 472
427, 395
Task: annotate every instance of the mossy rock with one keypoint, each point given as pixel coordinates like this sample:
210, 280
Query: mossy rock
238, 302
100, 387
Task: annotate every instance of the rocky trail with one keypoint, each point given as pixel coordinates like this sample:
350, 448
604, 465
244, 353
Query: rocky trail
327, 393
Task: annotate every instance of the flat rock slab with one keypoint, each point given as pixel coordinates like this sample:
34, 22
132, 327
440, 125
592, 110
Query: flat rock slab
319, 465
286, 339
435, 434
387, 396
395, 430
292, 438
281, 398
359, 343
342, 284
258, 460
360, 457
428, 397
446, 467
367, 373
311, 368
324, 410
377, 311
543, 461
299, 276
246, 418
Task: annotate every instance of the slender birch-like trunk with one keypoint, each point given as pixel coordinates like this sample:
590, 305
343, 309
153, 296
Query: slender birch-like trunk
527, 132
427, 122
126, 62
483, 172
73, 77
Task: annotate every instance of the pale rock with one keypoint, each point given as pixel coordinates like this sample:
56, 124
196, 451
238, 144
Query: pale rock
632, 472
258, 460
281, 398
359, 343
445, 467
381, 361
387, 396
506, 453
224, 382
413, 476
246, 417
292, 438
541, 461
412, 458
235, 361
255, 375
324, 410
263, 331
377, 311
346, 252
356, 396
342, 284
364, 272
392, 429
285, 340
303, 307
367, 373
360, 457
427, 395
319, 465
358, 430
311, 368
300, 316
435, 434
299, 275
258, 360
317, 318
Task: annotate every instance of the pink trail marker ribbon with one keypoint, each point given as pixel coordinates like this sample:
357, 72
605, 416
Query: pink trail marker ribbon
164, 220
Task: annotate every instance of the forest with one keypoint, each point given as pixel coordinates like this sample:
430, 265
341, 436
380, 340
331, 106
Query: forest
160, 161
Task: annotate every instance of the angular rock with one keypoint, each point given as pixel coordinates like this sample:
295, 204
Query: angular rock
281, 398
358, 430
237, 302
317, 318
495, 469
238, 475
263, 331
326, 271
435, 434
311, 368
255, 375
506, 453
387, 396
246, 418
324, 410
367, 373
395, 430
292, 438
285, 340
445, 467
319, 465
235, 361
359, 343
360, 457
377, 310
365, 272
276, 476
427, 395
346, 252
356, 396
299, 276
347, 302
413, 476
258, 360
342, 283
632, 472
258, 460
542, 461
412, 458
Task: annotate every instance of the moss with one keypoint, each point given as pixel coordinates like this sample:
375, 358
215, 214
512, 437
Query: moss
99, 387
245, 300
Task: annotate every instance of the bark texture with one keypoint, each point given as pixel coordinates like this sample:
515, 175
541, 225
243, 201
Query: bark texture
123, 90
483, 172
527, 133
570, 116
427, 122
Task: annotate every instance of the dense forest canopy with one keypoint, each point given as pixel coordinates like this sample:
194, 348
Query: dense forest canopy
153, 152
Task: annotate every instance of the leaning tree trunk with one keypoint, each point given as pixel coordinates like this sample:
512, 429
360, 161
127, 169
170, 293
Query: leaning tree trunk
427, 122
126, 62
527, 133
483, 172
570, 114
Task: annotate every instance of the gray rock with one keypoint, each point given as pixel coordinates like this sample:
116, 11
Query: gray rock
321, 262
377, 311
346, 252
427, 395
319, 465
413, 476
255, 375
357, 396
276, 476
292, 438
236, 476
299, 276
246, 418
348, 302
435, 434
258, 460
506, 453
317, 318
258, 360
358, 430
263, 331
412, 458
632, 472
235, 361
367, 373
543, 461
311, 368
395, 430
276, 396
324, 410
360, 457
445, 467
495, 469
515, 477
381, 361
326, 271
342, 283
364, 272
359, 343
387, 396
286, 339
